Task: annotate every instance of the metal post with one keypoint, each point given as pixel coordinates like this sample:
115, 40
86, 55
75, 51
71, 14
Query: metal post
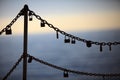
25, 42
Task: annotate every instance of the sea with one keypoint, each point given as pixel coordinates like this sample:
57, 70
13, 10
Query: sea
76, 56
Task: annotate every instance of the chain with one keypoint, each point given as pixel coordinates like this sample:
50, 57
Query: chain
14, 66
67, 40
11, 23
73, 71
88, 42
73, 38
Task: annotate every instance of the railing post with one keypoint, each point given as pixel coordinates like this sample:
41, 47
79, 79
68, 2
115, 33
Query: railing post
25, 42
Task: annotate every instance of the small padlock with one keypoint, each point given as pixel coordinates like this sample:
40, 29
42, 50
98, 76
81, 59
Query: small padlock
109, 44
73, 41
110, 47
30, 59
101, 47
42, 24
8, 31
30, 16
57, 35
88, 43
67, 40
65, 74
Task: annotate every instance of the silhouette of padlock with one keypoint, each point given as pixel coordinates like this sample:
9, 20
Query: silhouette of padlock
57, 35
65, 74
30, 16
8, 31
101, 47
73, 41
109, 44
42, 24
88, 44
67, 40
30, 59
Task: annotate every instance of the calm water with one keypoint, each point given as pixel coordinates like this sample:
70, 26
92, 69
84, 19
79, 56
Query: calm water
75, 57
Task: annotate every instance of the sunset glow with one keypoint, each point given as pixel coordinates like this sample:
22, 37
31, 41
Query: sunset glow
93, 16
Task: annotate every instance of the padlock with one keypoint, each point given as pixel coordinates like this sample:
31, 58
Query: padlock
110, 47
65, 74
42, 24
57, 35
88, 43
8, 31
109, 44
30, 16
30, 59
67, 40
73, 41
101, 47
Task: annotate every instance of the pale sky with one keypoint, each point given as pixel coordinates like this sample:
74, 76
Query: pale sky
68, 15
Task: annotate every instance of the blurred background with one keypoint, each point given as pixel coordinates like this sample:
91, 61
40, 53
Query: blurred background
96, 20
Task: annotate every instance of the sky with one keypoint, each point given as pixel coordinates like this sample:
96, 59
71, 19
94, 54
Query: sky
68, 15
96, 20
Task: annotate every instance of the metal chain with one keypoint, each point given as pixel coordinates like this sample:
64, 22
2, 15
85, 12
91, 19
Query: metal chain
73, 71
88, 42
12, 69
11, 23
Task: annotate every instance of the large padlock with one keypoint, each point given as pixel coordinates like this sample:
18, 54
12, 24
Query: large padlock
73, 41
88, 43
30, 59
65, 74
67, 40
8, 31
42, 24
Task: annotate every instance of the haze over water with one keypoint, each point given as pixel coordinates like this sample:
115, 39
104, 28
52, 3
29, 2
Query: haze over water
96, 20
48, 48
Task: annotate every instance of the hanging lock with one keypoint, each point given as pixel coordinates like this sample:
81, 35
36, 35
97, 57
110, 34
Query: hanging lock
65, 74
30, 59
109, 44
30, 16
88, 43
67, 40
101, 47
73, 41
57, 35
42, 24
8, 31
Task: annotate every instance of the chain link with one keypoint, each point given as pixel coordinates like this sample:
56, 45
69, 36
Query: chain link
88, 42
58, 30
73, 71
11, 23
77, 38
13, 68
